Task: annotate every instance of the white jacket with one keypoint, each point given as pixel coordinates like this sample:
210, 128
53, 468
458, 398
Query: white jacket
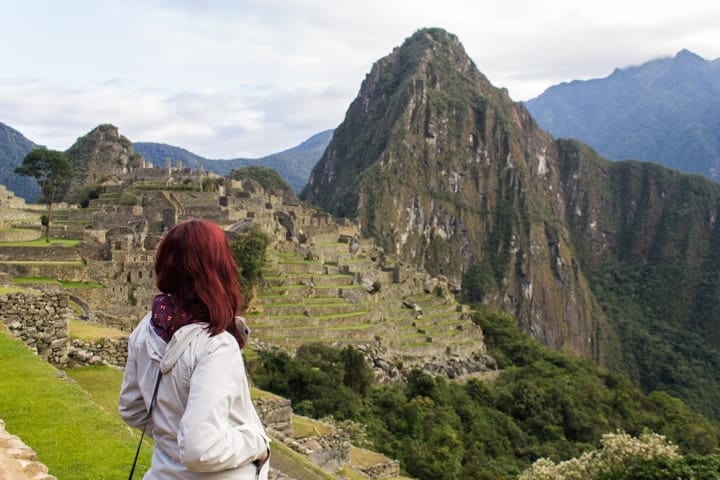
204, 424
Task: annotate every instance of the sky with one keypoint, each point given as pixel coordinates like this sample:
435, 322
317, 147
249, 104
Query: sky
247, 78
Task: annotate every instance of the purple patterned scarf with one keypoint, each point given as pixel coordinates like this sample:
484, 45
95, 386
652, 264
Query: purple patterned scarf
164, 319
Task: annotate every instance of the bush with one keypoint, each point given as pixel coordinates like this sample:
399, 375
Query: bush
249, 252
619, 455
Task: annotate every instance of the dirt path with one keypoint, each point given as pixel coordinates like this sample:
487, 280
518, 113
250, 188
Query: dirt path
18, 461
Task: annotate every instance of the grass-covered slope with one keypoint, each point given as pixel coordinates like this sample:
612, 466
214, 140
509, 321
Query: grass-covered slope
73, 436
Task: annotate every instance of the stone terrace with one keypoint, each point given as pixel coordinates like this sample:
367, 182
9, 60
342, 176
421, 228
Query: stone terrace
395, 315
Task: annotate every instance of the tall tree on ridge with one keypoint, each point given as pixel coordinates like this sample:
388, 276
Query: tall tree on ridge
52, 170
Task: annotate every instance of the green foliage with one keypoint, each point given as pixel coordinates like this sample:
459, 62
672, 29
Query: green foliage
658, 281
477, 281
136, 160
667, 336
544, 404
87, 194
129, 199
497, 244
268, 178
505, 342
211, 184
623, 457
249, 250
320, 380
52, 170
695, 467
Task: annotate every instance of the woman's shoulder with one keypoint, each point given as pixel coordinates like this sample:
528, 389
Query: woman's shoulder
203, 338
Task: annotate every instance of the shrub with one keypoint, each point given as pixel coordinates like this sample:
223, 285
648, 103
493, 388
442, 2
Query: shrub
620, 452
249, 251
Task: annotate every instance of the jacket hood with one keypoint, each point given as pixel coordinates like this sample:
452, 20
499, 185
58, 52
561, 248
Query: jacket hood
179, 342
155, 345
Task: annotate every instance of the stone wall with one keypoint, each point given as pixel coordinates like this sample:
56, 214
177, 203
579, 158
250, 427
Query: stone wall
106, 351
70, 272
19, 235
52, 253
41, 321
390, 469
276, 414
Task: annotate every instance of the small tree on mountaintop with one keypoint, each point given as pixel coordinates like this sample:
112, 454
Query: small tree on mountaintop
52, 170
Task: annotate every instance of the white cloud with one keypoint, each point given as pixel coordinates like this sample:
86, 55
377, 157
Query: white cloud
226, 79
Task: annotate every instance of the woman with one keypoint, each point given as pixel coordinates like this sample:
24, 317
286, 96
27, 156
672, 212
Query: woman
203, 422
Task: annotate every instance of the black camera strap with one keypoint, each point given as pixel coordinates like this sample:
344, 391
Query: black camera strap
152, 403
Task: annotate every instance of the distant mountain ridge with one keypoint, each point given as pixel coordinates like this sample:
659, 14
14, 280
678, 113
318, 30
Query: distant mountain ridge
293, 164
13, 148
665, 111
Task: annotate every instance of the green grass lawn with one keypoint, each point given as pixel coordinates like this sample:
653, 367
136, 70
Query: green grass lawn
69, 263
5, 290
102, 383
40, 242
75, 437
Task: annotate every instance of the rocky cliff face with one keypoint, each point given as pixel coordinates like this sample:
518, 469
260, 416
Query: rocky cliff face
101, 156
447, 172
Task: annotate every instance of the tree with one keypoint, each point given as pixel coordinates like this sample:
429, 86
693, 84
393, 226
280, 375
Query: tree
249, 251
477, 281
52, 170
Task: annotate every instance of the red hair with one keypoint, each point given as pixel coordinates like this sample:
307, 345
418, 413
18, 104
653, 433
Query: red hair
194, 264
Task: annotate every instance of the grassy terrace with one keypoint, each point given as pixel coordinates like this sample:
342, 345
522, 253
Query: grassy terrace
340, 328
319, 302
41, 243
296, 260
326, 321
6, 290
276, 290
302, 275
77, 263
46, 280
91, 332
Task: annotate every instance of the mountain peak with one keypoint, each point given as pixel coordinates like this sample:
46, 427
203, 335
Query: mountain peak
434, 44
687, 57
420, 88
